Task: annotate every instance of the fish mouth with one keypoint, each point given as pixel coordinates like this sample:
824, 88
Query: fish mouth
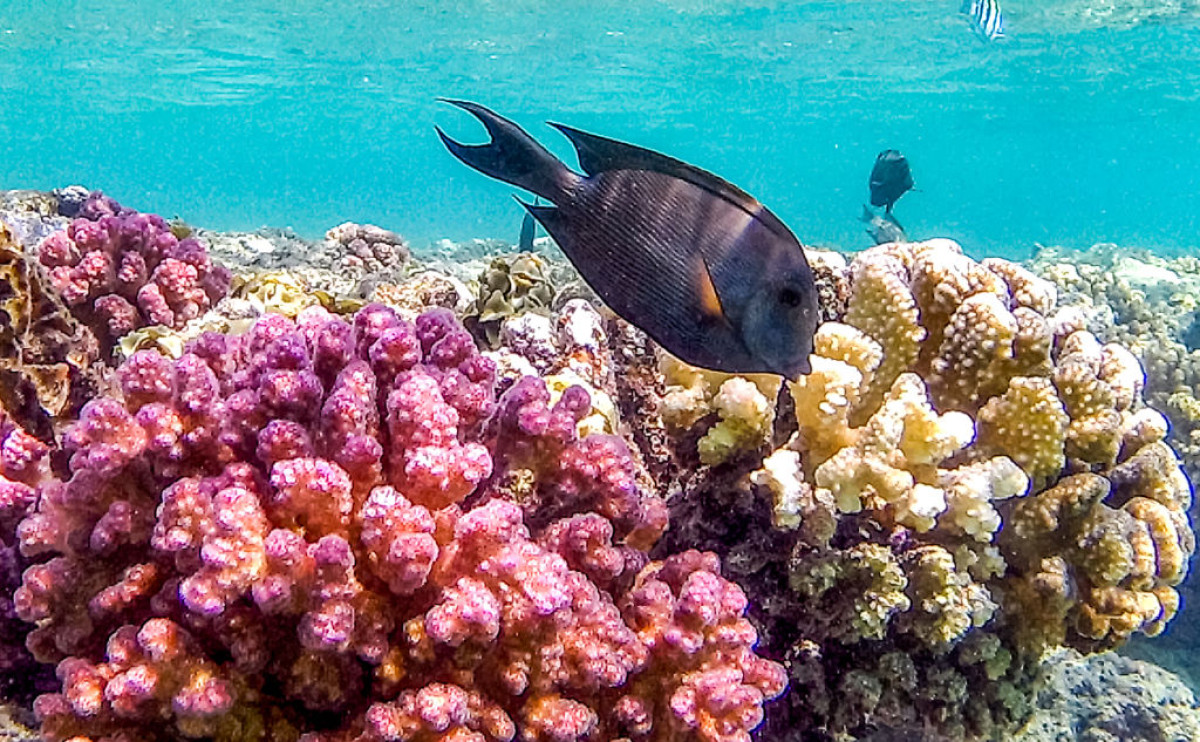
803, 367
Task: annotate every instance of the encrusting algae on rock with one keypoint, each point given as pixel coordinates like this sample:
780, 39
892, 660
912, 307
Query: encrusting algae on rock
339, 525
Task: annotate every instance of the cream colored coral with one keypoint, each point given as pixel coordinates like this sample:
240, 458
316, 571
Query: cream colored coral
1120, 369
970, 491
903, 434
746, 418
601, 418
1171, 536
920, 506
883, 307
846, 343
1089, 552
1142, 428
1154, 472
1094, 433
784, 479
1026, 288
942, 279
746, 405
1031, 347
823, 401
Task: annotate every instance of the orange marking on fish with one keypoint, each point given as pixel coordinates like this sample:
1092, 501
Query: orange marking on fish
710, 302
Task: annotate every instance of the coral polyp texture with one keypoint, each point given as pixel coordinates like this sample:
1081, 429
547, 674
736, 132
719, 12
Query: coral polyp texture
120, 270
973, 480
334, 529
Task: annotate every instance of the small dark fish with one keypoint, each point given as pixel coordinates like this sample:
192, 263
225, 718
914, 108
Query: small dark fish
525, 243
986, 18
891, 178
695, 262
883, 228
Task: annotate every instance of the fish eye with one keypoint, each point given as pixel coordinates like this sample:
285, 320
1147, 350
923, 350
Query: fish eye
789, 297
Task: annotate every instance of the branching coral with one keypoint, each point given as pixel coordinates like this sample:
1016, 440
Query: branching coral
24, 464
120, 270
981, 482
335, 528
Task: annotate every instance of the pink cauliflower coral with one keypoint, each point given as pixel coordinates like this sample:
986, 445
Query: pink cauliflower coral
312, 527
120, 270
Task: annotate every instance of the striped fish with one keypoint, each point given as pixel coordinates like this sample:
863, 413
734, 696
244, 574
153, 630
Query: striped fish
986, 18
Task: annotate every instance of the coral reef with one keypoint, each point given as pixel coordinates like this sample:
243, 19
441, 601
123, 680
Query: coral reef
119, 270
972, 482
24, 463
1148, 304
332, 522
333, 527
349, 263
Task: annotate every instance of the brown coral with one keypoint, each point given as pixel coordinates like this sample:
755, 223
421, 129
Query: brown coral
47, 358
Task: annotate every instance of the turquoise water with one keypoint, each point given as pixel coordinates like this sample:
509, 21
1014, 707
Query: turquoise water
1082, 126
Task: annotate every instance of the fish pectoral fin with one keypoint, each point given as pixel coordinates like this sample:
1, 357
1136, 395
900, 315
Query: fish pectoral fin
708, 300
551, 220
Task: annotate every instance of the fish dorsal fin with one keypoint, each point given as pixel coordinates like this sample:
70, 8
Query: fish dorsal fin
599, 154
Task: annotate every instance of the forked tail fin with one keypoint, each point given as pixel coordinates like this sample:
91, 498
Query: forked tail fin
512, 156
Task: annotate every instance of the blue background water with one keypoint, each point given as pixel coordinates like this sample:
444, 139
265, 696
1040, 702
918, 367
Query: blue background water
1082, 126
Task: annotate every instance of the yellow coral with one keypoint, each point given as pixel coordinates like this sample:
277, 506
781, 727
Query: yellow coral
602, 418
1154, 472
1032, 345
904, 434
972, 363
746, 418
866, 581
1172, 538
1098, 535
275, 291
970, 490
844, 361
1054, 511
1123, 374
1026, 288
1028, 424
1114, 613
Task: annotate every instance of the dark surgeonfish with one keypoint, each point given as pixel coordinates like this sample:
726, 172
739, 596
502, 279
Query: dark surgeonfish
891, 178
986, 18
883, 228
695, 262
